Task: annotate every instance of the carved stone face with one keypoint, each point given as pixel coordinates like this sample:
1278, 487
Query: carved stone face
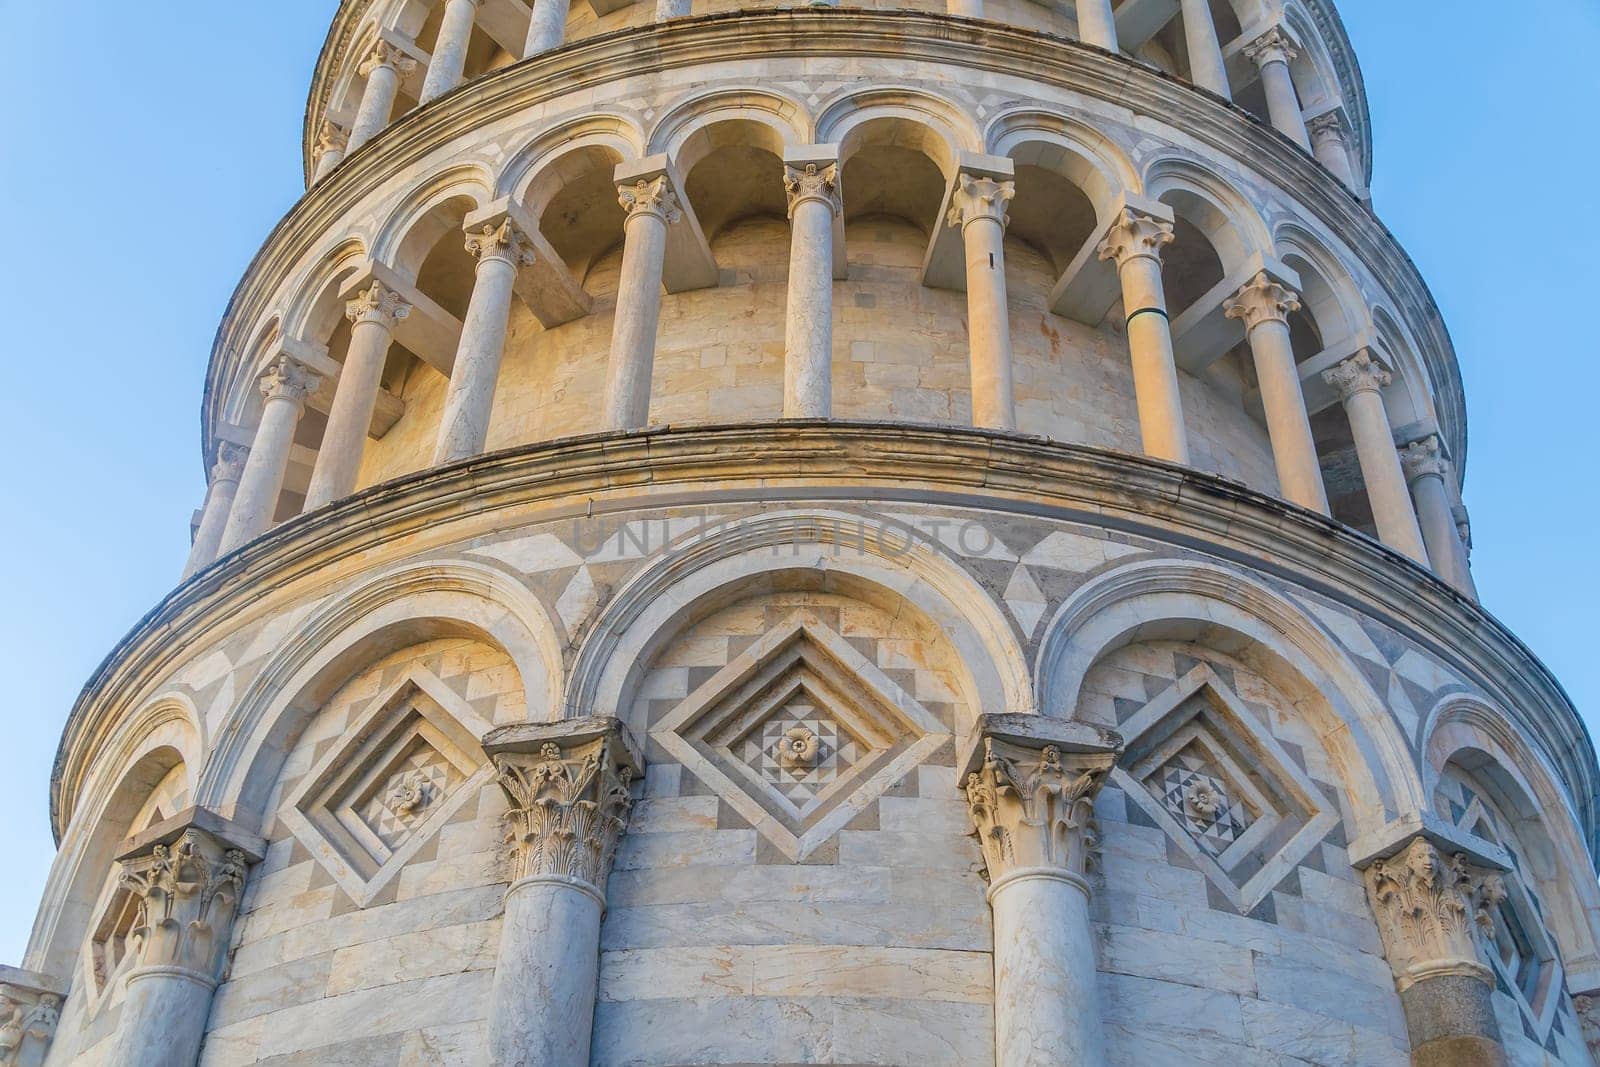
800, 748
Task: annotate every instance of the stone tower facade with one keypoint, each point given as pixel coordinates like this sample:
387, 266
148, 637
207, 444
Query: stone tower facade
755, 534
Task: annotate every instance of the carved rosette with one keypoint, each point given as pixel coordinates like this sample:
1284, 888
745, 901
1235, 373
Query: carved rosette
569, 807
1273, 46
229, 466
1424, 458
1033, 809
288, 379
1263, 300
1136, 235
503, 242
979, 198
651, 196
1358, 374
377, 304
1429, 906
384, 54
813, 182
188, 895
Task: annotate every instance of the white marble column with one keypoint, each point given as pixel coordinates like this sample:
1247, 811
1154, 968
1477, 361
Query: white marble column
978, 207
567, 784
1359, 382
814, 203
1206, 65
1264, 306
189, 874
652, 206
1097, 25
383, 69
1272, 52
501, 250
224, 485
1426, 469
1329, 146
332, 143
374, 313
1429, 905
286, 384
450, 49
1134, 242
1030, 784
547, 29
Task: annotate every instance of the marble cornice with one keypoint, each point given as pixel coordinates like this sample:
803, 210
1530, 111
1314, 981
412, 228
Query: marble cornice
1006, 474
991, 47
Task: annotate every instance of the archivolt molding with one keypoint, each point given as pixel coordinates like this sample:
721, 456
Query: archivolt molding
1091, 159
841, 548
528, 168
1140, 599
676, 132
391, 609
1243, 231
919, 119
469, 181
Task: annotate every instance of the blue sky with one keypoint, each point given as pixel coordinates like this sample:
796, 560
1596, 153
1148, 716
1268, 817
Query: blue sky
149, 149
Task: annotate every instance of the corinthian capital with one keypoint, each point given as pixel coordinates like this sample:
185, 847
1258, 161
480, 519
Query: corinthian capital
1587, 1005
331, 137
1135, 235
977, 198
1030, 785
377, 303
1327, 126
1358, 374
813, 182
651, 196
500, 241
230, 462
1429, 905
29, 1010
1263, 300
1423, 458
384, 54
1273, 46
568, 787
287, 379
188, 875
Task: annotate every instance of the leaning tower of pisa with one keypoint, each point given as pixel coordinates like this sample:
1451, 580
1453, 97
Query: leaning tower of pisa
751, 534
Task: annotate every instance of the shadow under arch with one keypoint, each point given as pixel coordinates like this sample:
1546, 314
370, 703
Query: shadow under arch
533, 174
681, 131
404, 606
1469, 732
430, 210
1158, 599
837, 551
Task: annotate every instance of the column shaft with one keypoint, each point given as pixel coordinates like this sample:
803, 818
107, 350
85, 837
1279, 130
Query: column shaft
1206, 65
548, 27
544, 980
450, 49
373, 314
1097, 25
1047, 1011
1135, 241
651, 205
979, 208
1426, 469
332, 143
464, 430
383, 69
286, 386
808, 328
1358, 381
219, 503
1328, 145
1272, 53
163, 1019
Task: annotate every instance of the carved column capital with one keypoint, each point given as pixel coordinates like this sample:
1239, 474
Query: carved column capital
651, 196
813, 182
384, 54
1328, 126
568, 788
288, 379
30, 1008
978, 197
1358, 374
331, 137
1424, 458
1263, 300
502, 241
377, 303
1429, 906
188, 890
230, 462
1134, 235
1587, 1005
1030, 787
1273, 46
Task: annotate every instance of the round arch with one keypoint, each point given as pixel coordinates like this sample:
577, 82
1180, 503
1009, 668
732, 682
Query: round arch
1083, 155
393, 609
1153, 599
427, 213
537, 171
845, 552
686, 132
1211, 203
903, 116
1327, 288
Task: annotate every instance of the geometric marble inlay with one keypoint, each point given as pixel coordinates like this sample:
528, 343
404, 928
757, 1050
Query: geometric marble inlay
397, 775
1206, 770
799, 734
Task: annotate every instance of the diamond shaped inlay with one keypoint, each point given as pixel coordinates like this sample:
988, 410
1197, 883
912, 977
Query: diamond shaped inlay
399, 774
1205, 770
800, 733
